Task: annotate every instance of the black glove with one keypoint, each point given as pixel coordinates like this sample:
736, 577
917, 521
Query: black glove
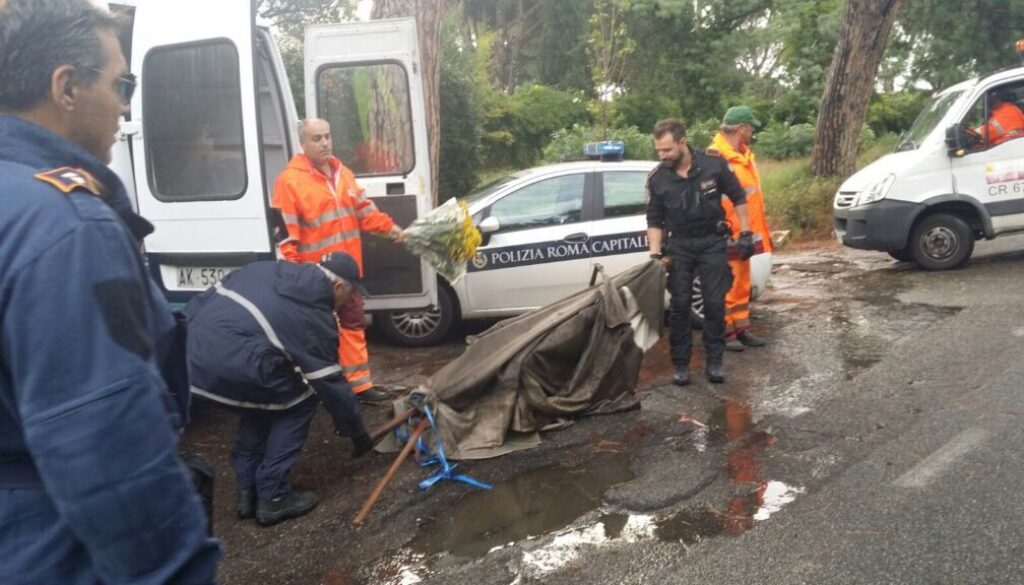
746, 244
361, 445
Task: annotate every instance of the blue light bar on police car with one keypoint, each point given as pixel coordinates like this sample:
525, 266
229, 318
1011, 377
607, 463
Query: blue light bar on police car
605, 150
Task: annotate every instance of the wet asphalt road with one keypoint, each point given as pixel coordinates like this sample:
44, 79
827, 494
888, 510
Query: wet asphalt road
875, 440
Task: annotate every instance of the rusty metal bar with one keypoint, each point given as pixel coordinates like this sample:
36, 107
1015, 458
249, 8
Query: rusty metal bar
384, 481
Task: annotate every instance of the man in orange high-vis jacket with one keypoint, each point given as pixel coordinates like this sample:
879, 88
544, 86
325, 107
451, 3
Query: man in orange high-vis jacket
325, 211
1006, 121
732, 142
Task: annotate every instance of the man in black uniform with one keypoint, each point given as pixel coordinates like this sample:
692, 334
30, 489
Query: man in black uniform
684, 199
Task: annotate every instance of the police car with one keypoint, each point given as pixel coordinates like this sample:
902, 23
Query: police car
544, 231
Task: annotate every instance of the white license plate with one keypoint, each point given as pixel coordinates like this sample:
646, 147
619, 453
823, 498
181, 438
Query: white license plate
199, 277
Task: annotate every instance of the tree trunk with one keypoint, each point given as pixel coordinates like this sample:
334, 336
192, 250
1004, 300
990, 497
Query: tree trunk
429, 16
844, 104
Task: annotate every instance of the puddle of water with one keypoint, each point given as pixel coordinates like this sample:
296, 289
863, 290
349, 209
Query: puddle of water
535, 503
689, 526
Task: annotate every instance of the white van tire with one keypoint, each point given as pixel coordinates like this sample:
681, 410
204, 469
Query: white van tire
941, 242
422, 328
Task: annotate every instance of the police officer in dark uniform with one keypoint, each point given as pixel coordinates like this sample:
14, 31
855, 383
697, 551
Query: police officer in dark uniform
91, 395
265, 343
686, 230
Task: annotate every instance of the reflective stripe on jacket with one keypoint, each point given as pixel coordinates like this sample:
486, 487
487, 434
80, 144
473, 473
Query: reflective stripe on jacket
744, 166
324, 214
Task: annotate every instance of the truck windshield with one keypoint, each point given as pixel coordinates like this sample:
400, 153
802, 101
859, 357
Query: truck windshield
926, 121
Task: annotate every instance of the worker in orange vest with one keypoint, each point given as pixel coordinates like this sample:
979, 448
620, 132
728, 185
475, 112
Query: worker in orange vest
325, 211
732, 142
1006, 121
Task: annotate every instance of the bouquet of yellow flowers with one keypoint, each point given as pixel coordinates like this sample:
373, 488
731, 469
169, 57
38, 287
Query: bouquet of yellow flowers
446, 238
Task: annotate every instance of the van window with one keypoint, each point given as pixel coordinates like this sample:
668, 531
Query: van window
192, 119
273, 116
997, 115
370, 114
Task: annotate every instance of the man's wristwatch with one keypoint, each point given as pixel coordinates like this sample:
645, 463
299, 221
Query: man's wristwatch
657, 256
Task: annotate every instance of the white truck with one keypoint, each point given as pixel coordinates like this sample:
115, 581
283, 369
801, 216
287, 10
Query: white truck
214, 123
944, 186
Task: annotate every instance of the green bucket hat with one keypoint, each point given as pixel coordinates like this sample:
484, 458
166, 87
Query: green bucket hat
740, 115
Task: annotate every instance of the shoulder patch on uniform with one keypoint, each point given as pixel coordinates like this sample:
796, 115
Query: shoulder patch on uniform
68, 179
712, 152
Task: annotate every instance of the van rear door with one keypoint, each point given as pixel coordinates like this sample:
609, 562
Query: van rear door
364, 78
197, 159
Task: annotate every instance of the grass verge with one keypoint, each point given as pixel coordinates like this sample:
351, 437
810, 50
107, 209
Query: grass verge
799, 202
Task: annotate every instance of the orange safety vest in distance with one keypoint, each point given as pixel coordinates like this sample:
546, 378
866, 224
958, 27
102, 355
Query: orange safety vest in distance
1006, 123
324, 215
744, 166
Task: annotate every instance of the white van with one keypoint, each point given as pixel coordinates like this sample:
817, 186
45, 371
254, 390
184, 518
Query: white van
214, 122
944, 186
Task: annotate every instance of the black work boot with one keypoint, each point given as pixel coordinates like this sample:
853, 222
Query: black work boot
750, 340
682, 376
245, 504
374, 395
714, 373
295, 504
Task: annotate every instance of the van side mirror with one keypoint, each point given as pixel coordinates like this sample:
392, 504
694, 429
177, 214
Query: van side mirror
487, 227
961, 140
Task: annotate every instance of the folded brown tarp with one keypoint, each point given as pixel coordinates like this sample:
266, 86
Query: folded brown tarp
579, 356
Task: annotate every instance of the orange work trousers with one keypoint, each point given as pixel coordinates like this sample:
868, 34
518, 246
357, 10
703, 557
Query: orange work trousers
353, 354
737, 300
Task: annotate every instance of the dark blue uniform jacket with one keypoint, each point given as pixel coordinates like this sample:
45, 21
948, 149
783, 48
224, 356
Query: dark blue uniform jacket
276, 352
91, 488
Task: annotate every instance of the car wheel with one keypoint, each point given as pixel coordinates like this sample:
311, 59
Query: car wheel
901, 255
697, 306
421, 328
941, 242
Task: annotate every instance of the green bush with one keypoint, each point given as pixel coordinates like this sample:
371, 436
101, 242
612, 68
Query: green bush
700, 133
642, 109
567, 144
893, 113
783, 141
516, 127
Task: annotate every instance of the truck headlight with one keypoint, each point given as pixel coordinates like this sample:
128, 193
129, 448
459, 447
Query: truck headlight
878, 191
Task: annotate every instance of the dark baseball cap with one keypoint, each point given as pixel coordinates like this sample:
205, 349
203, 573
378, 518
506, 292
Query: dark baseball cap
344, 266
740, 115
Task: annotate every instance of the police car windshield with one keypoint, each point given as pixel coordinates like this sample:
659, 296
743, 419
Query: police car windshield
488, 188
926, 121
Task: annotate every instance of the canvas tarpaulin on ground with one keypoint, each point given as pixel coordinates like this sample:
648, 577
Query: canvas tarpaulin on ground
579, 356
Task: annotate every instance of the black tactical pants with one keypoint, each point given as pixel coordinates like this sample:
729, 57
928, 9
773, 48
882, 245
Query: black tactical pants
707, 258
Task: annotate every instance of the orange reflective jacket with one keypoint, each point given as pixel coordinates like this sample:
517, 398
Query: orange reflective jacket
745, 168
1006, 123
324, 214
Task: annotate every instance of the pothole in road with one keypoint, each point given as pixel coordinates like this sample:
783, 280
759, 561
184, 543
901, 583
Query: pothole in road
532, 504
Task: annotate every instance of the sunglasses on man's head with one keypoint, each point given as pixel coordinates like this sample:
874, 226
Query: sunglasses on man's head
126, 85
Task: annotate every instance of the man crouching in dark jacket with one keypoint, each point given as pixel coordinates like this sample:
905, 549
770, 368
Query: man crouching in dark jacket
265, 342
